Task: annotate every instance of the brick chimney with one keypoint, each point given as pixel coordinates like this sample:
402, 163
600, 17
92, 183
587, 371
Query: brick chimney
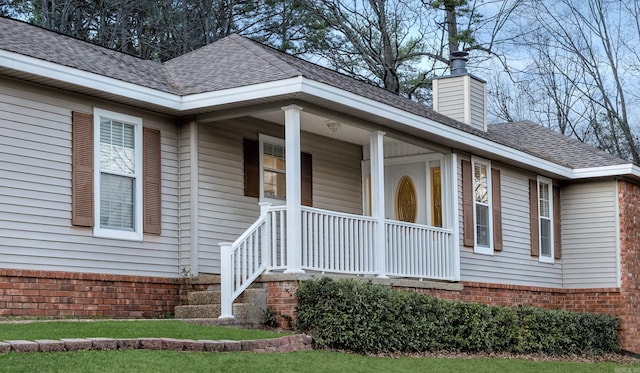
461, 95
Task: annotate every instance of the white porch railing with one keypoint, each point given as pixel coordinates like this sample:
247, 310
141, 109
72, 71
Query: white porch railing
419, 251
337, 242
333, 242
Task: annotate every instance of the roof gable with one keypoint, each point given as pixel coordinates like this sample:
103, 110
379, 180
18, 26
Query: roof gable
227, 63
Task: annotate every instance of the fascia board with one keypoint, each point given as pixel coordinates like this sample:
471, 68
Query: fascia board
87, 79
239, 94
616, 170
429, 126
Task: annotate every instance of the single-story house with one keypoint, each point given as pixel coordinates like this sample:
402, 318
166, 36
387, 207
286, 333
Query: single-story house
121, 177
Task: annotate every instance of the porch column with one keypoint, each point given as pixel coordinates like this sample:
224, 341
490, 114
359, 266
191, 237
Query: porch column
450, 216
294, 195
377, 201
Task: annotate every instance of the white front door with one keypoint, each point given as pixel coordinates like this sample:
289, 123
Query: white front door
406, 192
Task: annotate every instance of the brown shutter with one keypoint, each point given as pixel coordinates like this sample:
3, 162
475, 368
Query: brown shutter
307, 179
496, 200
533, 218
251, 150
151, 179
82, 169
467, 204
557, 245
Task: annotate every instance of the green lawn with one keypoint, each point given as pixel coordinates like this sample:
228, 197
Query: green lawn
126, 329
307, 361
171, 361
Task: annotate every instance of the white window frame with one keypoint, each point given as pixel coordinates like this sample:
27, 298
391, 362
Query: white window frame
485, 250
551, 257
136, 234
273, 141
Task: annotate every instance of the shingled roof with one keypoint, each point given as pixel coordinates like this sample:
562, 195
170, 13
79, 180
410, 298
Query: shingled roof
236, 61
37, 42
550, 145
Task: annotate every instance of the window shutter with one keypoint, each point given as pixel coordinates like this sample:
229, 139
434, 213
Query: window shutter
557, 238
533, 218
496, 200
82, 169
467, 204
251, 150
151, 179
307, 179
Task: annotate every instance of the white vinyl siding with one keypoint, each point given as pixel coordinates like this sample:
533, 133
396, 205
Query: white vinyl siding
589, 235
35, 191
514, 264
449, 99
396, 149
225, 212
477, 103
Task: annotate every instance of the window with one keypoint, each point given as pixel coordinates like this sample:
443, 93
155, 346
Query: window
274, 183
545, 219
118, 179
482, 205
265, 171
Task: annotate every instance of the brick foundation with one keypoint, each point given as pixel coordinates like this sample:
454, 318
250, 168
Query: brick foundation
64, 294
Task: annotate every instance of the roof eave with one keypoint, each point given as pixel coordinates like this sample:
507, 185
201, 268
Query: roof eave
292, 86
51, 70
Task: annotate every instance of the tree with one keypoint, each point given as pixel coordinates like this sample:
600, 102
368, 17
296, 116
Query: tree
288, 26
583, 69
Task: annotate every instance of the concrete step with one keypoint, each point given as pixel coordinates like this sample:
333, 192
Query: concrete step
248, 309
251, 296
243, 312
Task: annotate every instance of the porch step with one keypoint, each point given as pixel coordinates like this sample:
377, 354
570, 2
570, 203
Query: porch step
252, 296
248, 309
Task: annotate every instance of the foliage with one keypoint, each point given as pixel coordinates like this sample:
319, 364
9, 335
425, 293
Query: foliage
269, 318
369, 318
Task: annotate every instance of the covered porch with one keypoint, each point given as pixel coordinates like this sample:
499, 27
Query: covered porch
408, 229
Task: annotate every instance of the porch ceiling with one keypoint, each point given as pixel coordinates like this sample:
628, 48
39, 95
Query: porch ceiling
322, 126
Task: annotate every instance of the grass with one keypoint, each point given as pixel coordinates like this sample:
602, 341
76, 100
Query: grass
126, 329
306, 361
171, 361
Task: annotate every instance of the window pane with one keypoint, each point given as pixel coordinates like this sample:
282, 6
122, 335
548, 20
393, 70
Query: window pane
544, 200
117, 141
545, 237
274, 167
273, 157
116, 202
268, 161
275, 185
480, 183
482, 225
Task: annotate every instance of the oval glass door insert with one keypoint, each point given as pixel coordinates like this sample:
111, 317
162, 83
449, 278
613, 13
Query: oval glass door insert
406, 200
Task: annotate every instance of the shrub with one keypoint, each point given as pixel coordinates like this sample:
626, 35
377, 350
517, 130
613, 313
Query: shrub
367, 318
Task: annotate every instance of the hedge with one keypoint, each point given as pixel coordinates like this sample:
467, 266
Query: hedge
369, 318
